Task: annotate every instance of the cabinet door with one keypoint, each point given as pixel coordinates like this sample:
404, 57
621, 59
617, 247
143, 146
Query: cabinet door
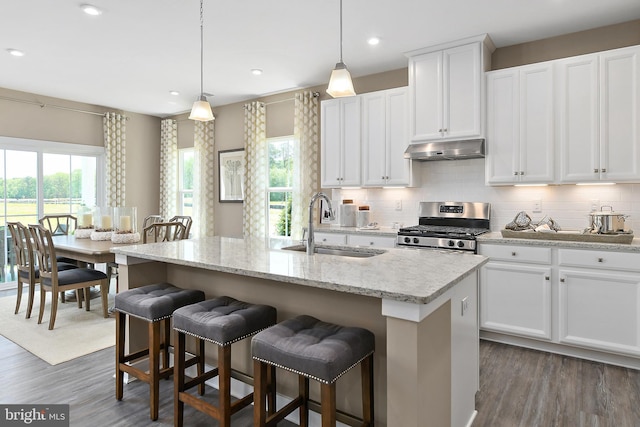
330, 238
370, 240
600, 310
620, 115
331, 152
398, 169
425, 82
374, 144
516, 299
578, 117
536, 124
350, 161
502, 161
462, 94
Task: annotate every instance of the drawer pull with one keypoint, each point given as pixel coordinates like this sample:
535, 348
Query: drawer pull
600, 259
371, 243
324, 240
546, 278
562, 280
513, 254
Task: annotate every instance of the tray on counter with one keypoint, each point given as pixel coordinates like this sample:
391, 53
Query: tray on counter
569, 236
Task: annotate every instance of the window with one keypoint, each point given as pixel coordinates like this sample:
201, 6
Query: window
185, 181
280, 185
41, 177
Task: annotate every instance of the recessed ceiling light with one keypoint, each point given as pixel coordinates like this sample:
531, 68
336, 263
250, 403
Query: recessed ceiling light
15, 52
90, 10
174, 93
373, 41
256, 71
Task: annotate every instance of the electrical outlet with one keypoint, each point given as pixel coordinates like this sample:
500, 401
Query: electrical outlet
398, 205
595, 205
537, 206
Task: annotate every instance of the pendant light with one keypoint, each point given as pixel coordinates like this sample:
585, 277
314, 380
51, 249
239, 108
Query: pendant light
340, 82
201, 110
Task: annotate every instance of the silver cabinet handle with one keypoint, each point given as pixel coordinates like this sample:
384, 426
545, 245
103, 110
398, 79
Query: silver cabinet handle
371, 243
562, 280
603, 170
546, 278
515, 173
513, 254
596, 170
600, 259
521, 172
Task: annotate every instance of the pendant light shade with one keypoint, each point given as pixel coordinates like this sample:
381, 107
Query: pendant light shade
340, 83
201, 110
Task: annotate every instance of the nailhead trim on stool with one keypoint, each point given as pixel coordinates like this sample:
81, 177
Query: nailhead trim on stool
221, 321
312, 349
155, 305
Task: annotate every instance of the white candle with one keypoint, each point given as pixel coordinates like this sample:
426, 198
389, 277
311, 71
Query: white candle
86, 220
125, 223
106, 222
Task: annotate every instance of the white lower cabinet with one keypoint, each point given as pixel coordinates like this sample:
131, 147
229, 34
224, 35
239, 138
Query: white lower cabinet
355, 239
574, 299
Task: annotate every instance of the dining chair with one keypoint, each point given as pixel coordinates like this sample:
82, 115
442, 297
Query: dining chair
186, 220
151, 219
54, 280
59, 224
164, 232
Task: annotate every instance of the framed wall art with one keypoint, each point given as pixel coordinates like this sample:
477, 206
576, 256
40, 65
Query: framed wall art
231, 178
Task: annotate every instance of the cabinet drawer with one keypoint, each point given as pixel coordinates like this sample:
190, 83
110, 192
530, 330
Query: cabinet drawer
516, 253
599, 259
330, 238
369, 240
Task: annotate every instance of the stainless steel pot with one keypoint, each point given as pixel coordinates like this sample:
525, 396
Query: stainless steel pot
607, 222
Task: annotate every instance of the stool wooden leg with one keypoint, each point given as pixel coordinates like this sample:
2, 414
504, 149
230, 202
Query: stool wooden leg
121, 321
178, 378
259, 392
200, 365
303, 391
154, 368
271, 390
328, 402
224, 382
167, 342
367, 391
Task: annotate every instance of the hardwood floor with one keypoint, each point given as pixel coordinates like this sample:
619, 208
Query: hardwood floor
528, 388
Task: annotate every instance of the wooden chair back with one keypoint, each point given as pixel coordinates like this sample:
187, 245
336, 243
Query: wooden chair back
59, 224
185, 220
23, 248
164, 232
45, 251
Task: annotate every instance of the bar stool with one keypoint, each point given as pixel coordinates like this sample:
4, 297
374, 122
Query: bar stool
155, 305
221, 321
312, 349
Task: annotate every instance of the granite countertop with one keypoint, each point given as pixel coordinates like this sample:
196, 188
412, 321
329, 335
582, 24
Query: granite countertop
496, 237
329, 228
404, 274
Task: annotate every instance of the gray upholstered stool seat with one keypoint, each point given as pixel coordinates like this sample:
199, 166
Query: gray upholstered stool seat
222, 321
155, 304
318, 350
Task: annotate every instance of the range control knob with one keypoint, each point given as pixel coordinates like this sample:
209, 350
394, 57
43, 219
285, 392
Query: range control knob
407, 240
460, 244
416, 240
451, 243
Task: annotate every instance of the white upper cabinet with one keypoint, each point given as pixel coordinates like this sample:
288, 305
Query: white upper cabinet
520, 132
446, 90
599, 115
340, 145
385, 138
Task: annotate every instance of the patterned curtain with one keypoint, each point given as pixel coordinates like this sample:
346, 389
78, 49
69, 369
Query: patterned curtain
255, 172
115, 145
168, 168
203, 178
305, 163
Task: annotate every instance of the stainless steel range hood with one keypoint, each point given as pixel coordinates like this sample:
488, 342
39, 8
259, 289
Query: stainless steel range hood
446, 150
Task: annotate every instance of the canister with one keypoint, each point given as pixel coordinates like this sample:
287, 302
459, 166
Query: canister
348, 213
363, 216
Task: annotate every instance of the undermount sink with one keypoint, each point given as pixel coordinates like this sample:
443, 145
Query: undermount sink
340, 251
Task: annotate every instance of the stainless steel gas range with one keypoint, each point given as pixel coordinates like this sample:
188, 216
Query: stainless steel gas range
447, 225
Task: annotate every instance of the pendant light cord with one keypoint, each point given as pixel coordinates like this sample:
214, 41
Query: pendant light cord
341, 31
202, 49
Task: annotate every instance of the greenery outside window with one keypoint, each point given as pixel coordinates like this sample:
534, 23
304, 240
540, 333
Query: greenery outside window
280, 185
186, 158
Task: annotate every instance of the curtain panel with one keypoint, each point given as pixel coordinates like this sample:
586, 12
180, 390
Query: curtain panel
305, 164
168, 168
203, 178
114, 126
255, 172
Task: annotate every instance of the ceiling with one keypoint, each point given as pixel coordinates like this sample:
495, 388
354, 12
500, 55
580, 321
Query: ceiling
137, 51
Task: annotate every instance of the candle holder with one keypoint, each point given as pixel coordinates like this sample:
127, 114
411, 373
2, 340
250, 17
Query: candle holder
125, 225
103, 224
85, 222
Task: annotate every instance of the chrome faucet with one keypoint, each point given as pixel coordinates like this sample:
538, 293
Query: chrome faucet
311, 246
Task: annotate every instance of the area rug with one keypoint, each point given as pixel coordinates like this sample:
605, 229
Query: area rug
77, 332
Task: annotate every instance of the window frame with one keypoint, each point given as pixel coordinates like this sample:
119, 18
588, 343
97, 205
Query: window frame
269, 189
181, 191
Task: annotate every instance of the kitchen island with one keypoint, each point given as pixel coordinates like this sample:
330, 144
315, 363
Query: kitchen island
420, 304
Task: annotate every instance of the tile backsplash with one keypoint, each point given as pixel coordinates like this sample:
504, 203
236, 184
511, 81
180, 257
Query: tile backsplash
463, 180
